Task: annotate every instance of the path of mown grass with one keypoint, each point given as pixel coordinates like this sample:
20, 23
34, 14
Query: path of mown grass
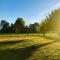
28, 48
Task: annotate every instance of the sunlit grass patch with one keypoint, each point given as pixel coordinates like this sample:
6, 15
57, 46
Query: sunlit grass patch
47, 52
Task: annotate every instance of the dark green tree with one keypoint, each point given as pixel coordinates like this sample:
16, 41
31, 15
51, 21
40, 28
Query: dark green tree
19, 25
34, 28
12, 28
5, 26
26, 29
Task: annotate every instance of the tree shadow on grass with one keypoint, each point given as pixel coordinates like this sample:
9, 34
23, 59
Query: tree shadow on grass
3, 43
20, 53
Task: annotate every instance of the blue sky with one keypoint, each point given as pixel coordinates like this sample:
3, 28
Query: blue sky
31, 10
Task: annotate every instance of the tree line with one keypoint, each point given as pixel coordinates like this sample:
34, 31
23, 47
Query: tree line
20, 27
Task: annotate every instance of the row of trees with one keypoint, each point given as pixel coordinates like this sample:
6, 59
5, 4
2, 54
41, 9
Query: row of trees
20, 27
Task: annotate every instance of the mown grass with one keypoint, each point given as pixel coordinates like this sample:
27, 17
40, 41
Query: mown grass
28, 47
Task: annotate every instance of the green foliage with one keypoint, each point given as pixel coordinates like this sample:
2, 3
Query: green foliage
26, 29
19, 25
34, 28
12, 28
5, 26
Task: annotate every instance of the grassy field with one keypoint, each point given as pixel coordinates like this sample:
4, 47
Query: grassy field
28, 47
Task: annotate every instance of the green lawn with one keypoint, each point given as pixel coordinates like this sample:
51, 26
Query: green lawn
28, 47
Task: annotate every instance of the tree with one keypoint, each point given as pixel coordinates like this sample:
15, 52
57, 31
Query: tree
37, 27
5, 26
26, 29
34, 28
51, 23
12, 28
19, 25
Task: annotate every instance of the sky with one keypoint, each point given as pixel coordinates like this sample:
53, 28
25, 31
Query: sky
30, 10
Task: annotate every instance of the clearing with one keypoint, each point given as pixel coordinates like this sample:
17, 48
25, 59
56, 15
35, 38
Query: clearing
28, 47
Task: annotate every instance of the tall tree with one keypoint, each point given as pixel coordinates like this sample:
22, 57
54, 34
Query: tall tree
51, 23
19, 25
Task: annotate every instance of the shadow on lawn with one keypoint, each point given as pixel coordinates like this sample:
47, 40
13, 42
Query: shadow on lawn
3, 43
20, 53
